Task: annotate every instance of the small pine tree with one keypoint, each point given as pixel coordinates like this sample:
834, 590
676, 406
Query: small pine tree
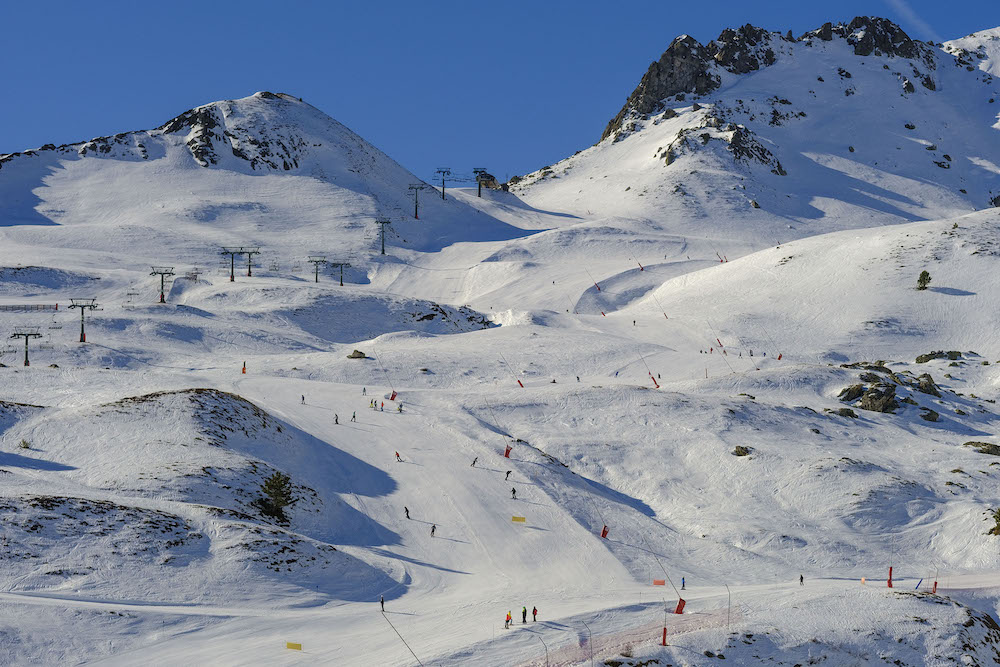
924, 280
995, 515
277, 490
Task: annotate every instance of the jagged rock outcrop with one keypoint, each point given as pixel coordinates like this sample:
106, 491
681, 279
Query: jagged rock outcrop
683, 68
743, 50
880, 399
925, 384
870, 34
687, 67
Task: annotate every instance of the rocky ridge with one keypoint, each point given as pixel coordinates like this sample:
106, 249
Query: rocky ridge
690, 68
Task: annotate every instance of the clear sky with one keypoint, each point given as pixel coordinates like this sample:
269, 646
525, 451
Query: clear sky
510, 86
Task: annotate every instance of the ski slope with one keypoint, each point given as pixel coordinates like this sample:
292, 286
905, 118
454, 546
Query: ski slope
673, 371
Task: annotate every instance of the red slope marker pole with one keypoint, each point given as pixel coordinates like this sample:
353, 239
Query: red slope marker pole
593, 281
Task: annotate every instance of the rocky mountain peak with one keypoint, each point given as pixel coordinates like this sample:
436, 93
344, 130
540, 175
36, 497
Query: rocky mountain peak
744, 50
688, 67
683, 68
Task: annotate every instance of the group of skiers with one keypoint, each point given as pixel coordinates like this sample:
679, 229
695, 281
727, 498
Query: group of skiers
509, 621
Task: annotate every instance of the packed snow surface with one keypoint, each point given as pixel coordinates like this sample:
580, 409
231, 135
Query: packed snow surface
739, 396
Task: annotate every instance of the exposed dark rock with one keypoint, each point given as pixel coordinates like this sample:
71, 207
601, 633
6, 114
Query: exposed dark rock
880, 400
984, 447
929, 415
925, 384
951, 355
852, 393
908, 86
683, 68
870, 34
743, 50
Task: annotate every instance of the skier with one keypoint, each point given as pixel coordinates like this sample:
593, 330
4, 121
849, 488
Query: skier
407, 510
303, 399
433, 528
399, 408
524, 614
577, 378
474, 461
506, 621
364, 391
383, 406
682, 583
397, 457
633, 322
336, 418
534, 614
381, 600
801, 581
508, 475
354, 416
513, 493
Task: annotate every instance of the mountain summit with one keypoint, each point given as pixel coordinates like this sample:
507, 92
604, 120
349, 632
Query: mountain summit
250, 170
759, 132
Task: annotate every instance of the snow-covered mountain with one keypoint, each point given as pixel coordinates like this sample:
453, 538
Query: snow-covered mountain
980, 49
738, 396
239, 172
759, 134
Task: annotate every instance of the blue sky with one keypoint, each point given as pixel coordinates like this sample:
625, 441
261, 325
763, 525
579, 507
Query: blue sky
510, 86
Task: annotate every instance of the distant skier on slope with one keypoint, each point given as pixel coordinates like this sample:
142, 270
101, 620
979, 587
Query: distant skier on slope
354, 416
534, 614
682, 583
407, 510
433, 529
303, 399
336, 419
801, 581
508, 475
381, 600
397, 457
364, 391
524, 614
506, 621
513, 493
474, 461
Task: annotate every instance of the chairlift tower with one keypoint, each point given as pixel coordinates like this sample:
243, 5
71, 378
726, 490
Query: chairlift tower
443, 172
232, 251
316, 260
479, 171
341, 265
83, 305
415, 188
26, 333
382, 222
163, 272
